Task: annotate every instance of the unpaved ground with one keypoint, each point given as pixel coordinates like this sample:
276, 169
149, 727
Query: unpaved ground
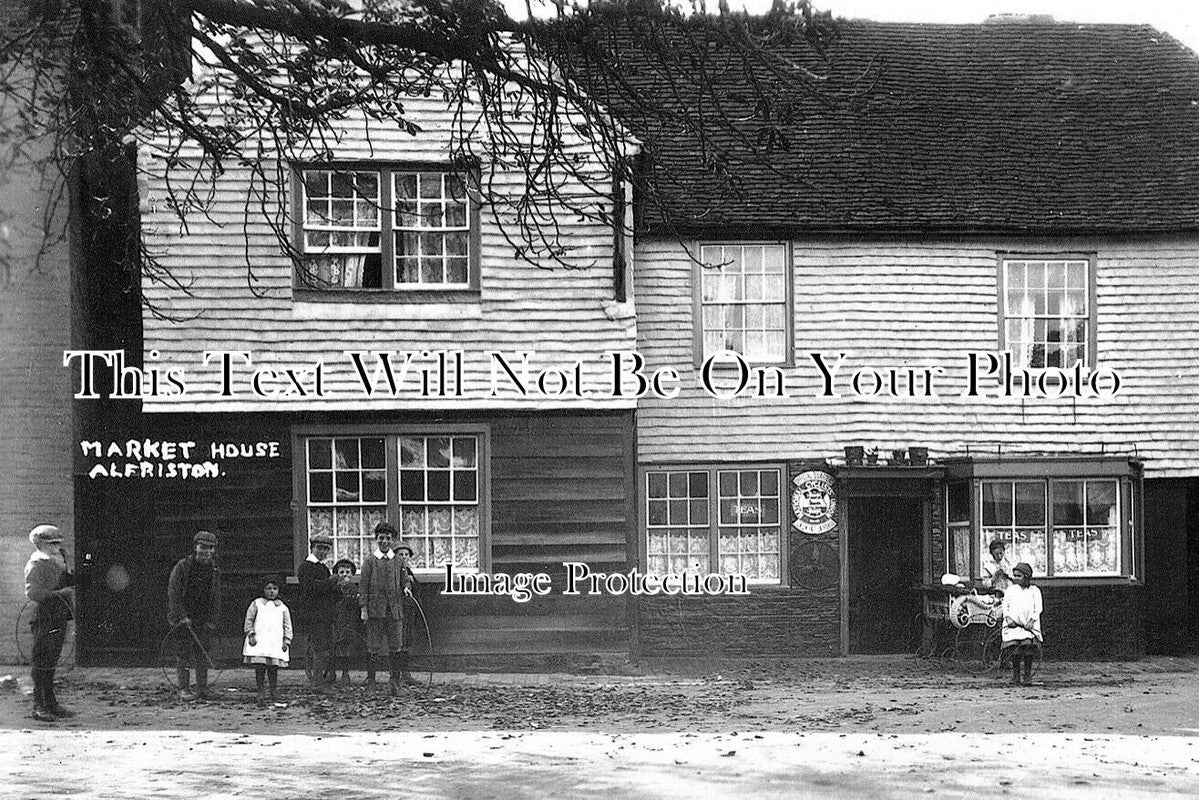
145, 764
866, 694
830, 728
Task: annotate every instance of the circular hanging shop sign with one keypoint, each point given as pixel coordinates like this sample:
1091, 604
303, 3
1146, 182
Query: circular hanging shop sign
813, 502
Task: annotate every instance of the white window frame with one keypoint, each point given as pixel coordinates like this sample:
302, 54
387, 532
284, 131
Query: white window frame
712, 528
984, 535
1009, 315
710, 262
389, 228
393, 503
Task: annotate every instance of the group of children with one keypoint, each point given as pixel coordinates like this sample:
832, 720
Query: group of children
337, 613
269, 631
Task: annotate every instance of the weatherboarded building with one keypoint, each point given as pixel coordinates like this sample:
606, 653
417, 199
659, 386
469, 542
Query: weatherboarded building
1024, 188
1013, 199
411, 364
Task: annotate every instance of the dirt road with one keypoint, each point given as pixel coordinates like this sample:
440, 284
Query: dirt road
836, 728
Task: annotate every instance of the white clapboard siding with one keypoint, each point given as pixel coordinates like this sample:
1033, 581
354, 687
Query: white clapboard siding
231, 286
899, 304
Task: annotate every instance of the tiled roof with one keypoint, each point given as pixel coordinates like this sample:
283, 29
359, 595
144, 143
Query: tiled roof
1034, 127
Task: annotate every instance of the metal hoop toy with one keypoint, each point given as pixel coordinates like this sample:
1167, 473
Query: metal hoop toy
163, 656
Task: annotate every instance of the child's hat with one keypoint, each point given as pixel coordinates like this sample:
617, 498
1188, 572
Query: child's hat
204, 537
44, 534
386, 527
345, 562
1024, 567
321, 538
404, 547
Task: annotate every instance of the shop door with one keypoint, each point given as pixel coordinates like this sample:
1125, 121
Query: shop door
886, 542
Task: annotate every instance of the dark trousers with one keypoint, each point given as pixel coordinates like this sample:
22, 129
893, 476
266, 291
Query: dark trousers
48, 639
320, 644
188, 654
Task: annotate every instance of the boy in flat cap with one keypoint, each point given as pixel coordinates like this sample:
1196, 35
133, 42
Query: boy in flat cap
49, 584
381, 590
319, 596
194, 601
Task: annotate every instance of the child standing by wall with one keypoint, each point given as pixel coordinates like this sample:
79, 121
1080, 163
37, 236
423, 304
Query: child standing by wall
1022, 622
268, 637
347, 622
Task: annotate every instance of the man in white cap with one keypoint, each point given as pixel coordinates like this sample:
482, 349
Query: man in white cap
50, 585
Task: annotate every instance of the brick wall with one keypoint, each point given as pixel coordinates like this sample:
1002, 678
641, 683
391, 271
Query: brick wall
35, 401
1086, 623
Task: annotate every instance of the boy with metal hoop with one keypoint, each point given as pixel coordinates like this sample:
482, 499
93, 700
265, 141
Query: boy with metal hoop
49, 584
193, 603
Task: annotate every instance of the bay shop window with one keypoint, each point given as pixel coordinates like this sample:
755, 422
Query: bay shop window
1071, 520
430, 485
714, 519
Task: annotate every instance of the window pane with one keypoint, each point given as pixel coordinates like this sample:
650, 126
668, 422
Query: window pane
438, 450
345, 453
374, 486
320, 454
959, 550
320, 487
996, 503
1067, 503
1101, 503
1030, 503
464, 452
438, 485
372, 453
412, 452
430, 185
412, 484
348, 490
958, 502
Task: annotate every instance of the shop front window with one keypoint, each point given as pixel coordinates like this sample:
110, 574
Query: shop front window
1061, 527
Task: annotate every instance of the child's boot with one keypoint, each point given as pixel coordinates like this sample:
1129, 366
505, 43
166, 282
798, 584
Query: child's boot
185, 679
394, 670
51, 699
371, 662
201, 682
404, 663
41, 712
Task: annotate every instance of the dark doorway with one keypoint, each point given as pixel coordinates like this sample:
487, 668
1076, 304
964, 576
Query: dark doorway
886, 544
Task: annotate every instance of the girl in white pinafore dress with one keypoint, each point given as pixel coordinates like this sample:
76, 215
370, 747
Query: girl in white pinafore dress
268, 637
